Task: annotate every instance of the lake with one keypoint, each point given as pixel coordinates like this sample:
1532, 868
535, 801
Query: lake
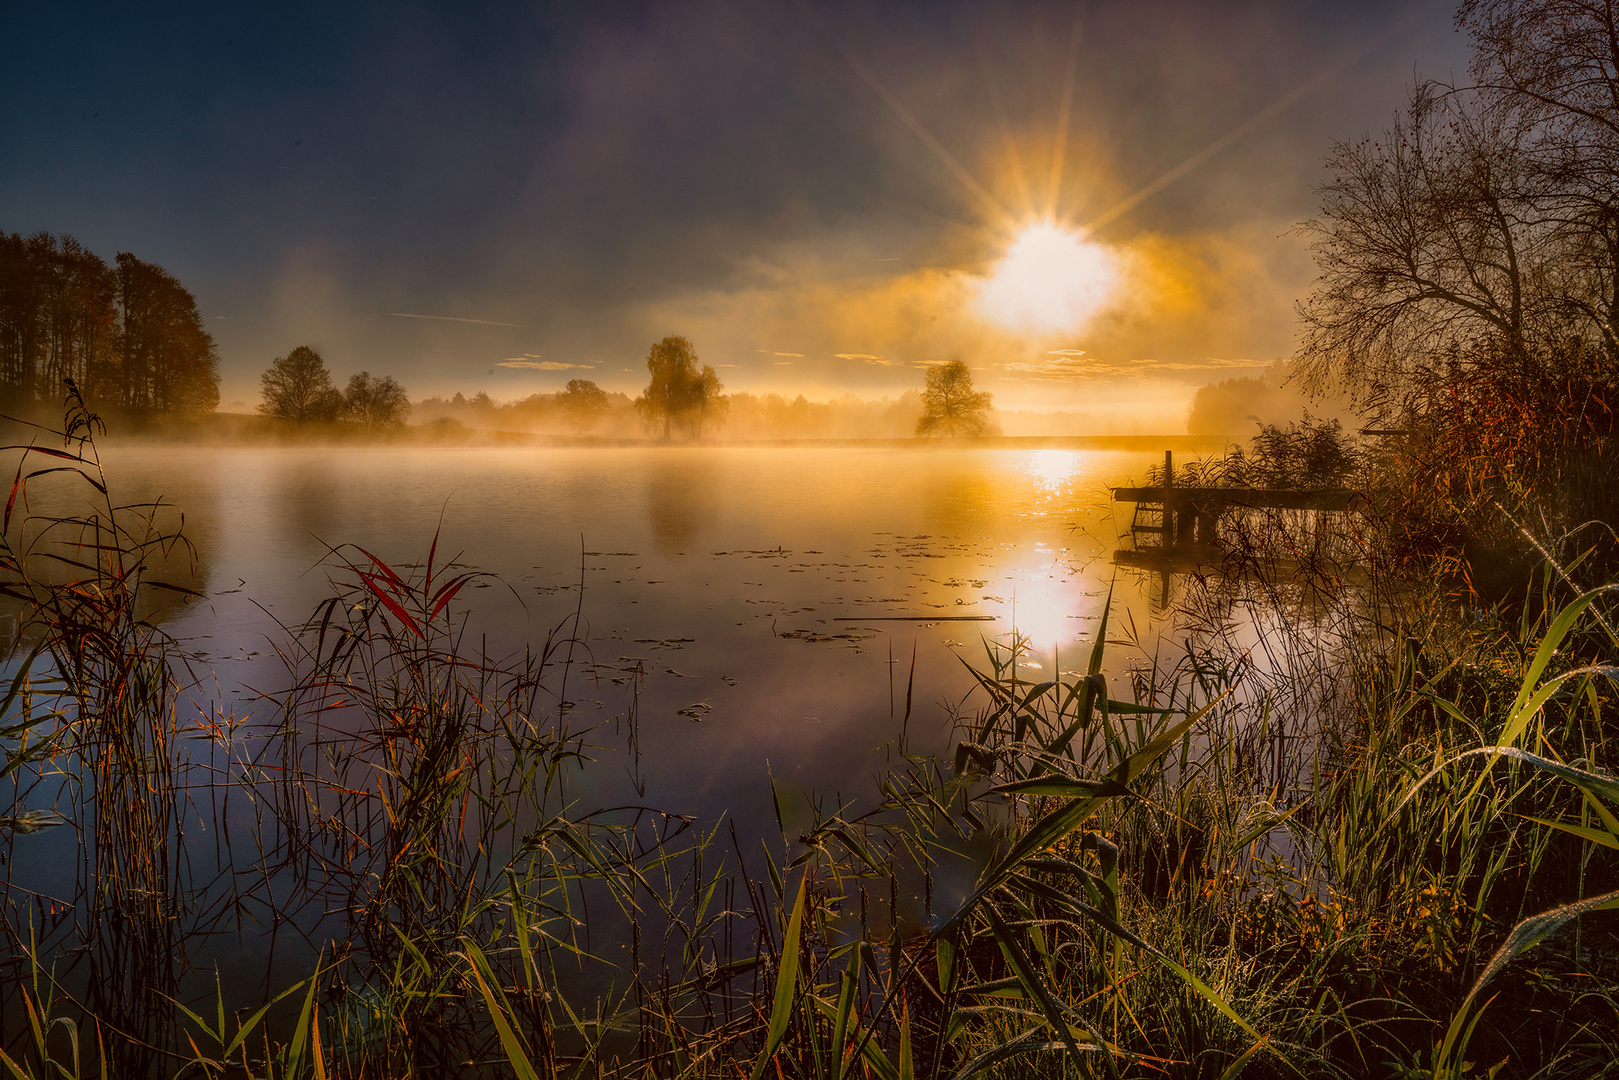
773, 596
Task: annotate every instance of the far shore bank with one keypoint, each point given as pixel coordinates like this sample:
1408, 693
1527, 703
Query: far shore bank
235, 429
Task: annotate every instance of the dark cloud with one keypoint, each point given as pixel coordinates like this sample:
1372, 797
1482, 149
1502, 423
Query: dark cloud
603, 175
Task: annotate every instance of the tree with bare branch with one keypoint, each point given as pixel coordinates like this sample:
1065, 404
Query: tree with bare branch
1469, 284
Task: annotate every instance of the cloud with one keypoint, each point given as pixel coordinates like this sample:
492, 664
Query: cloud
1063, 365
1213, 363
1177, 309
767, 352
1068, 365
543, 365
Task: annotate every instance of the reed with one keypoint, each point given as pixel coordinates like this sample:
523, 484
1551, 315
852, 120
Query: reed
1324, 835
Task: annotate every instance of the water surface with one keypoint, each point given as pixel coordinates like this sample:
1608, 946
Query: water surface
772, 597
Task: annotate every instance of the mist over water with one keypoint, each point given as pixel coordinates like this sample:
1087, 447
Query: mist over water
759, 590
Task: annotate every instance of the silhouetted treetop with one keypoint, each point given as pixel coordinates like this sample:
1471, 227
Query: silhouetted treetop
298, 387
379, 402
949, 404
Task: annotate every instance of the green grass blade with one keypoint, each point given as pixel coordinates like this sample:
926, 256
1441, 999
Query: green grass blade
1606, 786
1596, 836
781, 1012
1532, 931
1033, 985
510, 1041
1233, 1070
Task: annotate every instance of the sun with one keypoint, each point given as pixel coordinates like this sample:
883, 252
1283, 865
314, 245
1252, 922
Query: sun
1051, 281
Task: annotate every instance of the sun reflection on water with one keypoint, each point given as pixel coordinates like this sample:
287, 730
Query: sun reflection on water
1053, 469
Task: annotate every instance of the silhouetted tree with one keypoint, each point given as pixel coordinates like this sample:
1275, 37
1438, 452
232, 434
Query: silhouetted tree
1480, 234
79, 317
377, 402
949, 404
169, 363
298, 387
680, 392
584, 402
58, 317
129, 338
20, 323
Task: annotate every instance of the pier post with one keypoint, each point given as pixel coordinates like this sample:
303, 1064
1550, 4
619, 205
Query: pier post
1169, 493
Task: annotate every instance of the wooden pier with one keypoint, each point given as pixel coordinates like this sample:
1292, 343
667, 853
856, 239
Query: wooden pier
1186, 520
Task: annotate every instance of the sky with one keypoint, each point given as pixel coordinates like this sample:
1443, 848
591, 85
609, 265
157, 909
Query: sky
1095, 206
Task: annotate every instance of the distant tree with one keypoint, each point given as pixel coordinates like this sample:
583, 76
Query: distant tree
298, 387
377, 402
680, 392
584, 402
1235, 406
169, 360
949, 405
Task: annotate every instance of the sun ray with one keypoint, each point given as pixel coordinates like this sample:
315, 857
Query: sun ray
1059, 150
993, 205
1326, 75
1020, 177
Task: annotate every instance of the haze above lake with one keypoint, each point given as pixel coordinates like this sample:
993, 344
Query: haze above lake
762, 591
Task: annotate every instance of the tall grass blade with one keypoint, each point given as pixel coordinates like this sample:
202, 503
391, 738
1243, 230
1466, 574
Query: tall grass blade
1035, 986
510, 1041
781, 1012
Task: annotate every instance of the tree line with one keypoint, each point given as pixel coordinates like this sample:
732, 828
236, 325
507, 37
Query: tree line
298, 387
128, 334
684, 397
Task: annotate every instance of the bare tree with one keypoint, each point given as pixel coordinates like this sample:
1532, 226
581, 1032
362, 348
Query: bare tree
1469, 288
1478, 236
949, 404
379, 402
298, 387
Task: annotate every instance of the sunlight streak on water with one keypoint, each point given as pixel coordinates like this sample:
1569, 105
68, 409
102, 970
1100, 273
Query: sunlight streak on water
1053, 469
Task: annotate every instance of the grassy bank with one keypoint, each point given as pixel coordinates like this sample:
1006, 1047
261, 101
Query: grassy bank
1333, 833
